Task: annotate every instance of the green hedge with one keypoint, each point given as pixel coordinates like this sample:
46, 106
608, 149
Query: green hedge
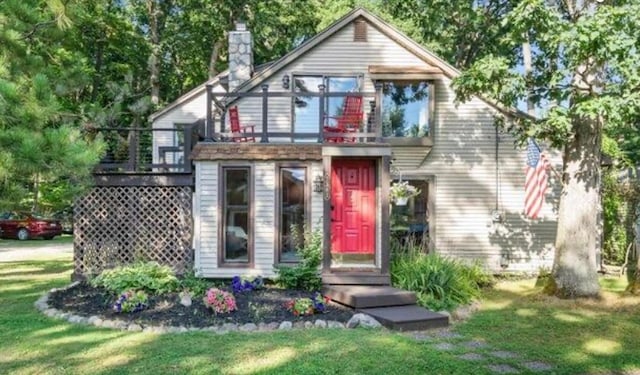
440, 283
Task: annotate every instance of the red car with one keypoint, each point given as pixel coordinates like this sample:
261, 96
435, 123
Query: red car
22, 225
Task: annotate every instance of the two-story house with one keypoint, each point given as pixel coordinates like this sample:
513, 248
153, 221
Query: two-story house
315, 138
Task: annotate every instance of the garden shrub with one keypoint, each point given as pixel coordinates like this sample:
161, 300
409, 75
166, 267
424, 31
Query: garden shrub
150, 277
304, 275
195, 285
439, 283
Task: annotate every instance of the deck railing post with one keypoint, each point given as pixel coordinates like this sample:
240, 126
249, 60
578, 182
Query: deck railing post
265, 114
378, 111
321, 89
186, 148
133, 150
208, 122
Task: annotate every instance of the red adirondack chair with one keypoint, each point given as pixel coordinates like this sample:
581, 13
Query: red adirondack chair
236, 129
347, 122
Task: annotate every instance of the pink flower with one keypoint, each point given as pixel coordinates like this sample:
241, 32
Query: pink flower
219, 301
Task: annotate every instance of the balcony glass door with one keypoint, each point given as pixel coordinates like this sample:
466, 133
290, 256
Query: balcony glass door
306, 108
305, 112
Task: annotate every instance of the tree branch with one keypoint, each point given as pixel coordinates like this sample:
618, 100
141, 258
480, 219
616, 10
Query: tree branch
35, 28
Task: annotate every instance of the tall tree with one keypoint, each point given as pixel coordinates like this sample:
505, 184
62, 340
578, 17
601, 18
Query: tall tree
196, 33
38, 74
586, 63
461, 32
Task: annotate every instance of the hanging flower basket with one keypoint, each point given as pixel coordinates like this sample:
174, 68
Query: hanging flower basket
401, 191
401, 201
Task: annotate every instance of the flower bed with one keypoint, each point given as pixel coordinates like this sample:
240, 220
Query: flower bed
267, 305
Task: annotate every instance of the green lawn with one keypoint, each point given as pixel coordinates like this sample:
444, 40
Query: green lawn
584, 336
575, 337
64, 239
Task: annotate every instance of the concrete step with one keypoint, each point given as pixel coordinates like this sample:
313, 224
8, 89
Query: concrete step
407, 318
369, 296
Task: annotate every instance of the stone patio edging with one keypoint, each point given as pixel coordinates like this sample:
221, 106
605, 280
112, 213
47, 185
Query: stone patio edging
42, 304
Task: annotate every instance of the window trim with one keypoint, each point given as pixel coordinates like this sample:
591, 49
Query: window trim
250, 263
277, 250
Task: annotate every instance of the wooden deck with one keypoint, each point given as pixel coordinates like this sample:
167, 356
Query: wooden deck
392, 307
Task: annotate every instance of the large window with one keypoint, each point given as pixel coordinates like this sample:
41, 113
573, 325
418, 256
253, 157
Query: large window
406, 109
293, 211
305, 112
236, 209
410, 222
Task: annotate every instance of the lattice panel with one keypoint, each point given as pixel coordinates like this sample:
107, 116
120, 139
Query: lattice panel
123, 224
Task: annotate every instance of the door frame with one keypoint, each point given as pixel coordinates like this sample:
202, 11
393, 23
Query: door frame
382, 251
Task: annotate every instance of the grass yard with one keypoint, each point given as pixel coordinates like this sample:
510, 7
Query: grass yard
58, 240
581, 337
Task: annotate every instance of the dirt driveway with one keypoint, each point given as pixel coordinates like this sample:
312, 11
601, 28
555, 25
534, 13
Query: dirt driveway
12, 251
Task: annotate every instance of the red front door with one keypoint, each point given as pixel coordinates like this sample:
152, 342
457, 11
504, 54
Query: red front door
353, 206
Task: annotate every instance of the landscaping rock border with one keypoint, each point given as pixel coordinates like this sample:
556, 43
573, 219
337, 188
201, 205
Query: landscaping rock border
42, 304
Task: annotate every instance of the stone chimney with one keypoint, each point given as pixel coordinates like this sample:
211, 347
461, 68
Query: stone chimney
240, 56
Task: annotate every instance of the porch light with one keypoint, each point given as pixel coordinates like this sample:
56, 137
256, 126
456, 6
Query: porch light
318, 184
285, 81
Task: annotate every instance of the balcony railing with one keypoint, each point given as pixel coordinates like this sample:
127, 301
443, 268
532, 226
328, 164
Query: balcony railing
215, 126
145, 150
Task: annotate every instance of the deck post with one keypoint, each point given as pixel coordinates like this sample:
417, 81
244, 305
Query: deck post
385, 224
208, 125
133, 149
186, 148
378, 111
265, 114
321, 114
326, 212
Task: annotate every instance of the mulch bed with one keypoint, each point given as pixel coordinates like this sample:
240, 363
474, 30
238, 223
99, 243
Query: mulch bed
261, 306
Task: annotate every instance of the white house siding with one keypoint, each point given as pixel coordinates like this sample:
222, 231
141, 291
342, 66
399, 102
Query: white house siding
339, 54
463, 163
206, 221
190, 111
317, 205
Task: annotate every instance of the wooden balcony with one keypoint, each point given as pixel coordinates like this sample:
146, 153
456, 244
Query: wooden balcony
369, 130
145, 156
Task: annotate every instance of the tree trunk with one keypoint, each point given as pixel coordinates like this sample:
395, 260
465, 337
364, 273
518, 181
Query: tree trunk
634, 286
154, 59
574, 269
36, 192
215, 54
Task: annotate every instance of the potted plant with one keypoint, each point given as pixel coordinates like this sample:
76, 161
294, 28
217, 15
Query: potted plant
401, 191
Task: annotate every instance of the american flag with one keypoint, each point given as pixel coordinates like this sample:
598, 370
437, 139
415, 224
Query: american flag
535, 185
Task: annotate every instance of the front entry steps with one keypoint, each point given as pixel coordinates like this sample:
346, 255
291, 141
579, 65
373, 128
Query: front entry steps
393, 308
